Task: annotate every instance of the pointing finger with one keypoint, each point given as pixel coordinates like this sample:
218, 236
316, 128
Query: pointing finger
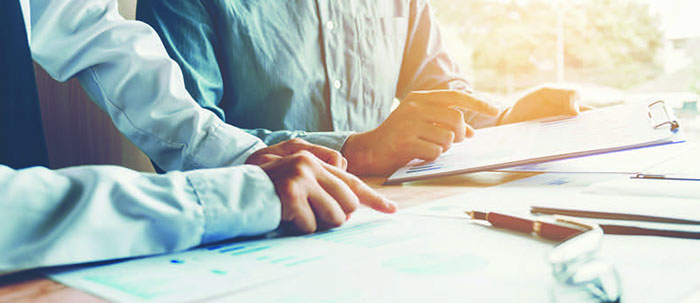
366, 194
455, 98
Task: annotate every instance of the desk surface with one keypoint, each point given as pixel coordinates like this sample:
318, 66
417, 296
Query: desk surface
33, 287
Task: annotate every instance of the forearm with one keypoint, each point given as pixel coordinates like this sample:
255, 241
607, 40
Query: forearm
125, 69
332, 140
97, 213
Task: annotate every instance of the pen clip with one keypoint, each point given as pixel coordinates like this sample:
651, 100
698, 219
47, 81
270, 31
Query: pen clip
575, 222
648, 176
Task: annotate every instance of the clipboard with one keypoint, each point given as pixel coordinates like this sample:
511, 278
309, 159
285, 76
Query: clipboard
604, 130
681, 166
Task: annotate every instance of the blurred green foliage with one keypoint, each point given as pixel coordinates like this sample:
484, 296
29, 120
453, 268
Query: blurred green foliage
513, 43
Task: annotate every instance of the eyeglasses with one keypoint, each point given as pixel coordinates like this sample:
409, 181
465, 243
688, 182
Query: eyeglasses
580, 273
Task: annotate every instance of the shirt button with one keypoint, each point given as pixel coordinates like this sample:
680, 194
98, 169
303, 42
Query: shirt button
330, 25
337, 84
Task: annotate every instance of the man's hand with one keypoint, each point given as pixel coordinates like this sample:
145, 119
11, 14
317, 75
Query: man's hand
542, 103
317, 195
425, 125
294, 146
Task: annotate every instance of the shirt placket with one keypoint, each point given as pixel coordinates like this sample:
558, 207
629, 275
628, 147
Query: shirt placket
332, 27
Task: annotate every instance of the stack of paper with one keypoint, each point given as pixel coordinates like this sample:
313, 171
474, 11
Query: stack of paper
598, 131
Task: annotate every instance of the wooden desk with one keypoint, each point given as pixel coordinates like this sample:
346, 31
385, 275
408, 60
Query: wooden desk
33, 287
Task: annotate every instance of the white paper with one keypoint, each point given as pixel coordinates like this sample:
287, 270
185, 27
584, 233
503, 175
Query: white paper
373, 260
648, 188
426, 253
597, 131
684, 164
201, 273
631, 162
652, 269
517, 199
457, 262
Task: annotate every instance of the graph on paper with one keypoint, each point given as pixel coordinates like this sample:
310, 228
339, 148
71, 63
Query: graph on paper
222, 268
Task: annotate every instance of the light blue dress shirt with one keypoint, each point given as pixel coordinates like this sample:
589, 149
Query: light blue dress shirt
321, 68
53, 217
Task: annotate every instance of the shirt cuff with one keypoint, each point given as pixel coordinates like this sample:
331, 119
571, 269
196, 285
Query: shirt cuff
332, 140
237, 201
225, 146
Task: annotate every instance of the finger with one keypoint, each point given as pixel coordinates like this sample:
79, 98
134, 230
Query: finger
327, 155
574, 108
264, 158
565, 99
452, 119
339, 190
468, 131
366, 195
424, 150
294, 192
584, 108
549, 102
345, 164
326, 209
436, 134
575, 100
460, 99
300, 214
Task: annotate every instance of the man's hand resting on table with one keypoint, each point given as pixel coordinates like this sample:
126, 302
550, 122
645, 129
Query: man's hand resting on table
426, 123
423, 126
542, 103
311, 182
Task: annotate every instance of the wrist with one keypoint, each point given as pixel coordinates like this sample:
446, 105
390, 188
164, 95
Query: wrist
358, 153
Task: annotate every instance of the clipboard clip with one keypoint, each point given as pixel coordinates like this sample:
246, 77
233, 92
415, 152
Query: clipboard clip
669, 120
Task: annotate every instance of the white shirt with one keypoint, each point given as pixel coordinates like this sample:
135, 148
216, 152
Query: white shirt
95, 213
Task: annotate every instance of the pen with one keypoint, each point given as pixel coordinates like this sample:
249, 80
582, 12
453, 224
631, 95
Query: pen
557, 232
612, 229
608, 215
545, 230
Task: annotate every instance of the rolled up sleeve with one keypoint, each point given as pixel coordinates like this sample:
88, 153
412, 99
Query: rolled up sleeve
127, 72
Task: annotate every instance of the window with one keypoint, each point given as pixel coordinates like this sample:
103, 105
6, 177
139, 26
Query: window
612, 51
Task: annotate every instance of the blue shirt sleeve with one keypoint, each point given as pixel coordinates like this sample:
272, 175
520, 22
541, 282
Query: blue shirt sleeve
124, 68
94, 213
97, 213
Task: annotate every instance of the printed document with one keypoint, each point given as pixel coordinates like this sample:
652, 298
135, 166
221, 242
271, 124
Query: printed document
593, 132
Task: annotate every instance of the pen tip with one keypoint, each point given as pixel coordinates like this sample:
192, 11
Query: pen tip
477, 215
